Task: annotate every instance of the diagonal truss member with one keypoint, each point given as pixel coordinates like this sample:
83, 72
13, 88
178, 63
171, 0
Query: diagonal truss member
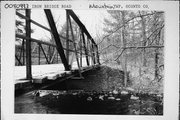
56, 37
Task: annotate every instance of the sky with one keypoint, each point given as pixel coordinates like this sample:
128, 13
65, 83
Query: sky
92, 19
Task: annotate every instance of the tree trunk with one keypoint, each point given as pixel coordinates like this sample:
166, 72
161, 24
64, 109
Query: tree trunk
124, 54
144, 39
156, 56
156, 64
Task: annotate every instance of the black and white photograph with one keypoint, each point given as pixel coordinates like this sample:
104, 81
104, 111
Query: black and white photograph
110, 60
119, 71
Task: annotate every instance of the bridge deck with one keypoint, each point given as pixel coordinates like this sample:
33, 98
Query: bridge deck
41, 73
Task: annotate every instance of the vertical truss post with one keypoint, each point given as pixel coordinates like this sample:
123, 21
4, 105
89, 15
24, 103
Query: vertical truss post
97, 54
88, 50
56, 38
85, 49
49, 54
80, 49
39, 54
28, 46
75, 48
67, 36
95, 59
93, 53
91, 50
23, 52
57, 58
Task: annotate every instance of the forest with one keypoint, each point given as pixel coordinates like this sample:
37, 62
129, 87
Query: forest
133, 41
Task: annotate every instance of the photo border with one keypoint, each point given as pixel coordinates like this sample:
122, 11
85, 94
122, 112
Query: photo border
171, 83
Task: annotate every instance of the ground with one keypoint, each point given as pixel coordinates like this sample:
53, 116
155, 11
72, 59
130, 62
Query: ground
101, 92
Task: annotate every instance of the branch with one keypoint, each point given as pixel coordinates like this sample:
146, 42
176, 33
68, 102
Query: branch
140, 47
137, 47
148, 38
120, 54
124, 25
110, 46
155, 31
154, 38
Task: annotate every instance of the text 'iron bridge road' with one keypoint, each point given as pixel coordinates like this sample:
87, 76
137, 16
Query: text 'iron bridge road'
82, 47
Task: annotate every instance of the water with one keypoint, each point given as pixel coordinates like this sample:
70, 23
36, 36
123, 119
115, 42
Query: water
28, 103
92, 95
72, 102
84, 102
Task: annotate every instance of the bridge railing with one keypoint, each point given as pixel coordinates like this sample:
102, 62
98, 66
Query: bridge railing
84, 47
41, 45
